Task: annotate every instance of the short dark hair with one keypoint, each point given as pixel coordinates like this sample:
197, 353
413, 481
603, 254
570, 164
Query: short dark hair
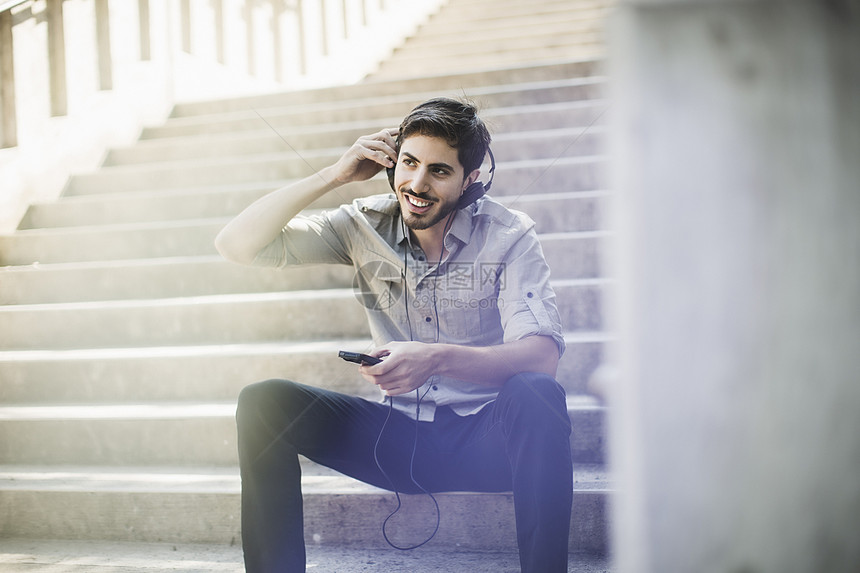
456, 122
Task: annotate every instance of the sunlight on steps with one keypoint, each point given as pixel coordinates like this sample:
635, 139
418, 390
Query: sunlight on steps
126, 339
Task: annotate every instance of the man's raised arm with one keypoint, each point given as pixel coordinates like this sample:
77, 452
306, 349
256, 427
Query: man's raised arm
263, 220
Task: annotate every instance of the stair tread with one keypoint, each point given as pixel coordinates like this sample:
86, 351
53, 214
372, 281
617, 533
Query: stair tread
270, 184
117, 201
199, 231
488, 63
220, 480
307, 154
255, 348
73, 556
183, 441
172, 411
376, 85
255, 297
166, 150
262, 114
163, 224
370, 124
298, 131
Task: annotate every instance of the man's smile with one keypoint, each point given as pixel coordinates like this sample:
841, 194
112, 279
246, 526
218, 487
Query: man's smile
417, 205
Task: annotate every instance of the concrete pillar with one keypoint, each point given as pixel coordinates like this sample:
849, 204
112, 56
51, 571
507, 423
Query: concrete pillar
278, 9
103, 45
57, 57
736, 421
185, 24
218, 26
8, 107
250, 37
145, 33
301, 38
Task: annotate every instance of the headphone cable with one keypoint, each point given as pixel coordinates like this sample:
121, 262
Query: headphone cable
411, 476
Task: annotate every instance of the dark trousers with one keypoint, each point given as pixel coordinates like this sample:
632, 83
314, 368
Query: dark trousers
518, 443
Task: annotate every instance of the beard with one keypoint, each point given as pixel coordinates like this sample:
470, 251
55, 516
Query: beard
419, 222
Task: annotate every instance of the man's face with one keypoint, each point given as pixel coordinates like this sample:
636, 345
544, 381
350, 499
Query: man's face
428, 180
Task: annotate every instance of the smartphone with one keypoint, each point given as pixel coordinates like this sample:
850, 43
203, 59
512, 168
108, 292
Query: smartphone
359, 358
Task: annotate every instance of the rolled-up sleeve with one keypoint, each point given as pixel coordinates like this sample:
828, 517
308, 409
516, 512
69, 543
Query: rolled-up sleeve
527, 302
308, 240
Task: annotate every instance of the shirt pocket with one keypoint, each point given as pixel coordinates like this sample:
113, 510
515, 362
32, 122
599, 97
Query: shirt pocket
471, 317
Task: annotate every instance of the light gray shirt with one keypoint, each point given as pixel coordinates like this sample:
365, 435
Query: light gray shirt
491, 287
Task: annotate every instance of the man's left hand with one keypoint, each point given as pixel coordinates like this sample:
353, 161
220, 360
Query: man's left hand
405, 366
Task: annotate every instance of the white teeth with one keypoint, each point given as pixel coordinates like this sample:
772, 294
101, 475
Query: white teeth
416, 202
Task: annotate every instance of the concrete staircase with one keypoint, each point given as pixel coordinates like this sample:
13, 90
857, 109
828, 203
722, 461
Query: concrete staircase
125, 339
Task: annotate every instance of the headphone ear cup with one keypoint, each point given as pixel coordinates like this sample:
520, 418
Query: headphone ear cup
472, 193
474, 188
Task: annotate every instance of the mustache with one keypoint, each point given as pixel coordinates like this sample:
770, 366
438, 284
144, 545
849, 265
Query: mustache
409, 192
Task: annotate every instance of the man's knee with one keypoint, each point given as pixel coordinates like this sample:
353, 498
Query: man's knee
537, 396
535, 387
254, 398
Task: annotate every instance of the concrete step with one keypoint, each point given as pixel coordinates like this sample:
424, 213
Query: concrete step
227, 201
561, 171
377, 108
489, 31
220, 199
185, 237
202, 275
505, 122
372, 88
396, 68
437, 33
516, 40
264, 148
233, 319
172, 277
470, 20
183, 505
218, 372
530, 144
50, 555
292, 316
479, 13
522, 44
182, 434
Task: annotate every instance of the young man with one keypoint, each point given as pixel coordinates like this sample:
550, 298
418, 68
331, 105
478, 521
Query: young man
464, 319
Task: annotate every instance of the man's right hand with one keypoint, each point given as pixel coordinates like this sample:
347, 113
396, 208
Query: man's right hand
262, 221
366, 157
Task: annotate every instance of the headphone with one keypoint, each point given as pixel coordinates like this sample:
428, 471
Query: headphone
471, 194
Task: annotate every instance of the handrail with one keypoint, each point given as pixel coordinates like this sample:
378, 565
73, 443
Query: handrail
301, 38
141, 56
9, 4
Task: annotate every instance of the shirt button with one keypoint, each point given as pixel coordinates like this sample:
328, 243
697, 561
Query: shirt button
530, 294
428, 319
435, 387
420, 257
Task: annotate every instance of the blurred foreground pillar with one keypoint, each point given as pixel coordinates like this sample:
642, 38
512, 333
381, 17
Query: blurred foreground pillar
736, 421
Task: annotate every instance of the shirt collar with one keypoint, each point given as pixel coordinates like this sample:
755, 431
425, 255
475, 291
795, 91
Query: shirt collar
461, 227
399, 236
